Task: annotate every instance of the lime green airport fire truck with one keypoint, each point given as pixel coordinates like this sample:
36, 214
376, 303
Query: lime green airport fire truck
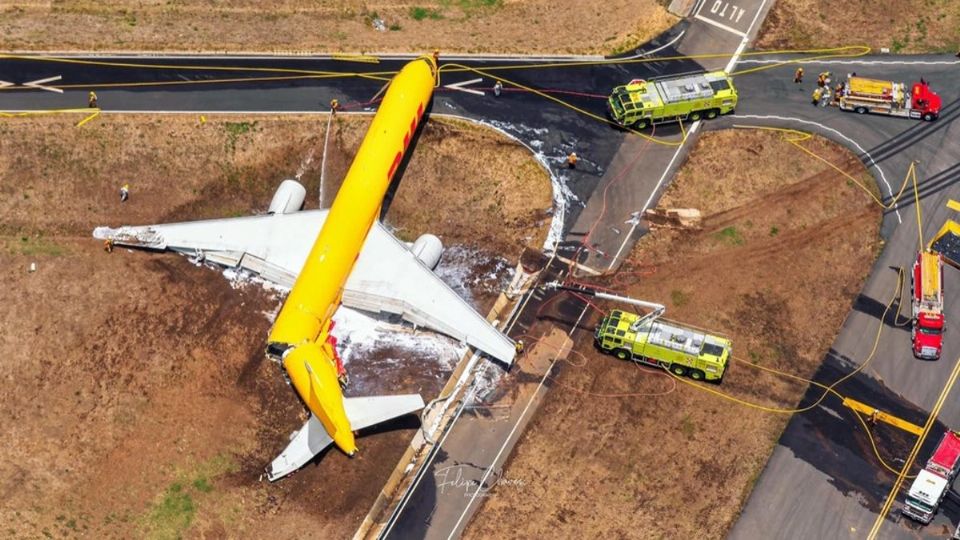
641, 103
645, 339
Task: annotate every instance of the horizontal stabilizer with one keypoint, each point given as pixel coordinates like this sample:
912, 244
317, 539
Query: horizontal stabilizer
367, 411
313, 438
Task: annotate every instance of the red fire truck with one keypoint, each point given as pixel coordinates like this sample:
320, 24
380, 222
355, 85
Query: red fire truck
862, 95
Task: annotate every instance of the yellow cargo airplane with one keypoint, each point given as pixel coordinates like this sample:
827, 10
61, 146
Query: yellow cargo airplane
353, 260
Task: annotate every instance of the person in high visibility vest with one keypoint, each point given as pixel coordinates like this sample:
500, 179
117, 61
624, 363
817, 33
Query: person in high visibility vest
497, 88
334, 106
124, 192
92, 100
572, 160
798, 75
817, 95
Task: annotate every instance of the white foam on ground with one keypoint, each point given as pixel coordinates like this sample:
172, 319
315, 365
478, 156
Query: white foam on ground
562, 194
240, 278
358, 334
304, 165
457, 269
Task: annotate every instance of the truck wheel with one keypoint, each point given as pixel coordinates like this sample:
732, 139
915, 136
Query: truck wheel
678, 370
711, 114
622, 354
928, 117
861, 110
696, 375
694, 116
640, 124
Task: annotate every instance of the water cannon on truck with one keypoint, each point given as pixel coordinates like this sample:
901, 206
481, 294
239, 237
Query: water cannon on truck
647, 340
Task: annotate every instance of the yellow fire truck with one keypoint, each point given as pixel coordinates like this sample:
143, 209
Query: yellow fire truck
642, 103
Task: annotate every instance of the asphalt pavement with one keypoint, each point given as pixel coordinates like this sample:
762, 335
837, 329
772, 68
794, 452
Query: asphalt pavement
822, 480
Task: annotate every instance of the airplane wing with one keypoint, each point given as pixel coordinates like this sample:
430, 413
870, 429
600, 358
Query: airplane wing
387, 278
312, 438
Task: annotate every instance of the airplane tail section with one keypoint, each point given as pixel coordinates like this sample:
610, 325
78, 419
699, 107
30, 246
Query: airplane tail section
312, 438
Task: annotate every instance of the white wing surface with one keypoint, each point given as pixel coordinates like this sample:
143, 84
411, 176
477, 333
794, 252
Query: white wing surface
387, 278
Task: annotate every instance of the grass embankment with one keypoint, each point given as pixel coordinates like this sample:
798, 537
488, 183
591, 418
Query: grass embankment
903, 26
465, 26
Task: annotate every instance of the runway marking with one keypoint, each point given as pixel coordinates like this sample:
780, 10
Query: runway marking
842, 136
39, 84
460, 86
5, 84
720, 25
719, 8
666, 171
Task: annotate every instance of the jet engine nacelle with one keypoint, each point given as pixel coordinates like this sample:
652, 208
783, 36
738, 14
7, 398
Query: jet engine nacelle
288, 198
428, 249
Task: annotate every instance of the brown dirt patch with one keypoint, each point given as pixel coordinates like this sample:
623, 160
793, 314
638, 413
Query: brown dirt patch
472, 26
800, 240
931, 26
137, 401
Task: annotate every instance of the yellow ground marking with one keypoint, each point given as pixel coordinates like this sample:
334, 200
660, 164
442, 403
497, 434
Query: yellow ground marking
913, 453
877, 414
95, 114
949, 227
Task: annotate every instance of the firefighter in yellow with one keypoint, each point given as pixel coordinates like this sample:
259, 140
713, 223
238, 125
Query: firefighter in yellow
817, 95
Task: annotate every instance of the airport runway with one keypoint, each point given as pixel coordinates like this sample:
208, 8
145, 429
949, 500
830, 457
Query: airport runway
821, 482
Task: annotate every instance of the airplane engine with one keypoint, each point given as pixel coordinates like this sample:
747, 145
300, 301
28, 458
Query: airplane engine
428, 249
288, 198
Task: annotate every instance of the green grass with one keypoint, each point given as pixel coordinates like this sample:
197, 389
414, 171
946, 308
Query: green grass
202, 484
37, 246
418, 13
774, 230
471, 5
239, 128
629, 43
173, 514
678, 297
174, 511
235, 130
688, 427
731, 235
